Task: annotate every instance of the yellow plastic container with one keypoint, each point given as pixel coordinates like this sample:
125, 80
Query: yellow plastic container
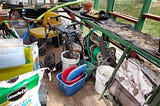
11, 72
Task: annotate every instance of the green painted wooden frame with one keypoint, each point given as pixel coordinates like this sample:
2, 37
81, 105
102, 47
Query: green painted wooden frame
141, 20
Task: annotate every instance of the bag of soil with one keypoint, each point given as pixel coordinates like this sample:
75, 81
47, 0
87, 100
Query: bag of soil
22, 90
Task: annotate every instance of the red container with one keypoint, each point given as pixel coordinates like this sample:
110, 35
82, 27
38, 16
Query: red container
65, 74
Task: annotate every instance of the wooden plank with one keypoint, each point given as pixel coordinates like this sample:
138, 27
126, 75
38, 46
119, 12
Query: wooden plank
151, 16
124, 16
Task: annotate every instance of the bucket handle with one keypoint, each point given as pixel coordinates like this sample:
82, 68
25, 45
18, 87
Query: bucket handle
101, 80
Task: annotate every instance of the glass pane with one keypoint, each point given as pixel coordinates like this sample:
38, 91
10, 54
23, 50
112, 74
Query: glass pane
102, 5
151, 26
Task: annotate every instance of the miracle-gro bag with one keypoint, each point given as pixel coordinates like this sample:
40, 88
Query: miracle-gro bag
21, 91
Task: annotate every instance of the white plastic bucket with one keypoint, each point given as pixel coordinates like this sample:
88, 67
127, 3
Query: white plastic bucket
68, 62
103, 73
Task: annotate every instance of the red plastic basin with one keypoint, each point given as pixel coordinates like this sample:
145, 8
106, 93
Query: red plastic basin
65, 74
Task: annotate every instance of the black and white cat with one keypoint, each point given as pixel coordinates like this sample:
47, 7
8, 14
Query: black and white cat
49, 61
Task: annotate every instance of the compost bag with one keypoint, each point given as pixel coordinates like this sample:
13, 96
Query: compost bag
22, 90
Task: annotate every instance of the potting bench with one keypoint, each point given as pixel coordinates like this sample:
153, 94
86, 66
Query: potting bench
111, 29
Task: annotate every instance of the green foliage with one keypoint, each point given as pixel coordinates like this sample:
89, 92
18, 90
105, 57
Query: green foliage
129, 8
151, 26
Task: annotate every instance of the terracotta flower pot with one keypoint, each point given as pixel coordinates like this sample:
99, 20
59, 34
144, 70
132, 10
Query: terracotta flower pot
87, 6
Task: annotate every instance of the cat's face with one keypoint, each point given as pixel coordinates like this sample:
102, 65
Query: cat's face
49, 61
51, 65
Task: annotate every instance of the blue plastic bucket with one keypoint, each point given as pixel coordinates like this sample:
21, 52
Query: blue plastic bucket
70, 89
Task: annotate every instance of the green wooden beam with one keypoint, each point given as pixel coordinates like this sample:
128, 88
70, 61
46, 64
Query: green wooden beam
110, 7
106, 32
141, 20
113, 36
96, 4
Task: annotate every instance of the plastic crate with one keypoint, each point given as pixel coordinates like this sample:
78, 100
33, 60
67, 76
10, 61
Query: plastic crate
70, 89
89, 69
11, 72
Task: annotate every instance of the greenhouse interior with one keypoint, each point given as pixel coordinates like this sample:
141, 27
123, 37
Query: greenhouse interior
79, 52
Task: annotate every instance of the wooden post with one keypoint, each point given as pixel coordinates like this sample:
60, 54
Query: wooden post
141, 20
110, 6
96, 4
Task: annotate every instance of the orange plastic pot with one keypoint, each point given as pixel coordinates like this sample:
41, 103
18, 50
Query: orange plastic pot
87, 6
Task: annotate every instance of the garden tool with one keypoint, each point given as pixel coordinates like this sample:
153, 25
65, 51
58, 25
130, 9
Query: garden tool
103, 48
111, 58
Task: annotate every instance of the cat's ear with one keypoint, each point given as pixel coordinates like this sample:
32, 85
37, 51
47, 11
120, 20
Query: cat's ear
53, 54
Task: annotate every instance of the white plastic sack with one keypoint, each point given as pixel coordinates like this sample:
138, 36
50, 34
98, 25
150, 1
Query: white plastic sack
11, 53
8, 43
22, 92
131, 77
35, 54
